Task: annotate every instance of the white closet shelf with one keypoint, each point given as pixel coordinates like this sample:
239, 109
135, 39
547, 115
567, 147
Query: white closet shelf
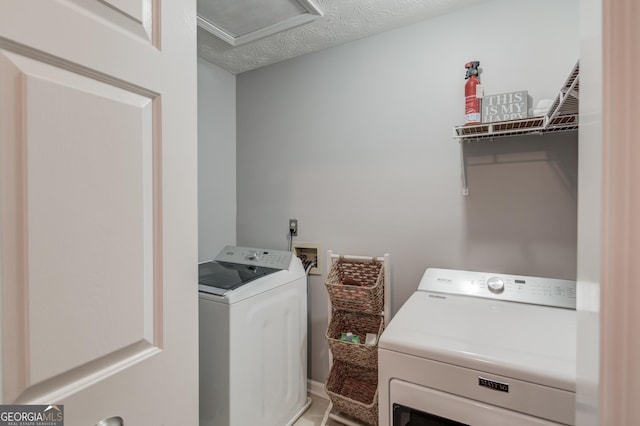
562, 116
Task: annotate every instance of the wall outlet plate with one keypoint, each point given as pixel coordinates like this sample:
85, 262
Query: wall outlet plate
311, 251
293, 227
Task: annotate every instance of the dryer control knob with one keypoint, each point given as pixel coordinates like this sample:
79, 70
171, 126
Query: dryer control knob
495, 285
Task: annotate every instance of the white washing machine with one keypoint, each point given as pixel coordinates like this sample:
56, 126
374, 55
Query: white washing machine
475, 348
253, 338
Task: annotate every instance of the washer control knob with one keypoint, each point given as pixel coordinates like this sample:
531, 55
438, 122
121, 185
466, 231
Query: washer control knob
495, 285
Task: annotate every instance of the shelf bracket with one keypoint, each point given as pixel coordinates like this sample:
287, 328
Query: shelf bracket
570, 89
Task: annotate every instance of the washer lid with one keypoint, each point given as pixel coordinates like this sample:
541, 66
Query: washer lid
220, 277
528, 342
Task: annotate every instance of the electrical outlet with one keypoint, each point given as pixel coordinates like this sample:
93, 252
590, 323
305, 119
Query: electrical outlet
293, 227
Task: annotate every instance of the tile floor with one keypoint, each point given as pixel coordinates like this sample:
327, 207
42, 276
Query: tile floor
315, 413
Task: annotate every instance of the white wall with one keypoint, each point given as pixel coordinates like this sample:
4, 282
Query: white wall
216, 159
356, 143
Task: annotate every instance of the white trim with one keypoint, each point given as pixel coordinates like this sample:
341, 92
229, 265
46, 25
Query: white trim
590, 204
317, 389
313, 12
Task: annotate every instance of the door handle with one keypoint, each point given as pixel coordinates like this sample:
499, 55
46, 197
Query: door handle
111, 421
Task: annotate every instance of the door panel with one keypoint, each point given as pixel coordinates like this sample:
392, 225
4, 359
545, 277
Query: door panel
140, 12
97, 208
95, 22
100, 166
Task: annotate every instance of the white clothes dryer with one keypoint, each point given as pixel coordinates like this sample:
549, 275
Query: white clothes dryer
477, 348
253, 338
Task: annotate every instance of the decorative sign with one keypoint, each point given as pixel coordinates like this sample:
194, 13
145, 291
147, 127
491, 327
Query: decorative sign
506, 106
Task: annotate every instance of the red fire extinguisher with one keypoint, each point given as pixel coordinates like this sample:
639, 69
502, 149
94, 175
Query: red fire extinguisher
472, 103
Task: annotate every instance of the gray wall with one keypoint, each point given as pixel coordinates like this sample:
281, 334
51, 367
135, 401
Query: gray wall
216, 159
356, 143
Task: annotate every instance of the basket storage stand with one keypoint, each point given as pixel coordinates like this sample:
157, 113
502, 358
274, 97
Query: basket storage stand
359, 302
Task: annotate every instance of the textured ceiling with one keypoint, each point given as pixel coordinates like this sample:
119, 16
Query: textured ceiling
342, 21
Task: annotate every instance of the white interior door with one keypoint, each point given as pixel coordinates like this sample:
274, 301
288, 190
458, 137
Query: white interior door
98, 230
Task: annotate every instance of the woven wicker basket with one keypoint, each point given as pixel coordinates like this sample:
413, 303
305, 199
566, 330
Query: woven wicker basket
356, 285
354, 391
360, 325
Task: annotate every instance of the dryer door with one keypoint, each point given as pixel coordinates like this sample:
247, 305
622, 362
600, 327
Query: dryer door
415, 405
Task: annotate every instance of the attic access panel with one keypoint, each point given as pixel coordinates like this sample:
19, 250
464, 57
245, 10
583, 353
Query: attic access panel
240, 22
